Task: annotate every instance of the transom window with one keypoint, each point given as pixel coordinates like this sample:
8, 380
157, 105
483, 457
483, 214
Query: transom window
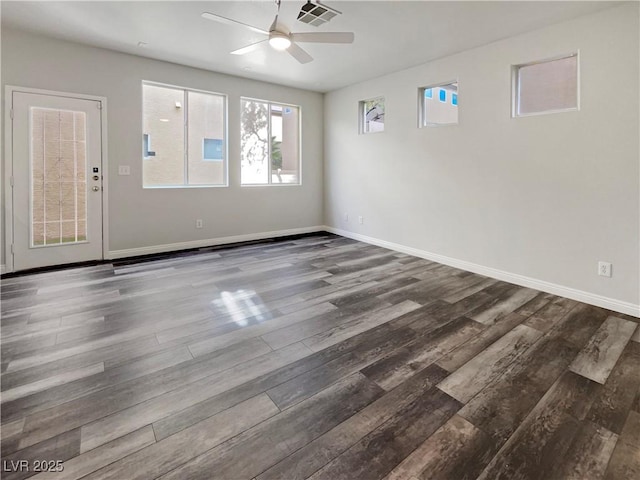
547, 86
438, 104
371, 115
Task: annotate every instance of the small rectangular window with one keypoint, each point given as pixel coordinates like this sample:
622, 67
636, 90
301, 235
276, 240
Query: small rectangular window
372, 115
546, 87
270, 143
146, 146
438, 112
212, 149
180, 120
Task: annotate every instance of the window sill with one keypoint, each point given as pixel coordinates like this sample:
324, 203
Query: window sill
175, 187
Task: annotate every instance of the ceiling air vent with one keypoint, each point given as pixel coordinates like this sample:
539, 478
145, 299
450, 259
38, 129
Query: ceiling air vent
316, 14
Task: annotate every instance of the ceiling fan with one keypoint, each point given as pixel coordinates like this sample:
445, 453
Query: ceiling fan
280, 38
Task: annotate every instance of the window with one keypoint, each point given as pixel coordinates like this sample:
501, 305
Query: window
546, 87
372, 115
438, 112
212, 149
146, 146
188, 129
270, 143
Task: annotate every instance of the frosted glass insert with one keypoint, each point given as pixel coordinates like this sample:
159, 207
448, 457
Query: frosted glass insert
58, 177
548, 86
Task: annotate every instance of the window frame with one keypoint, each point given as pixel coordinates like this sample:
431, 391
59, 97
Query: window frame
515, 86
185, 108
436, 98
270, 182
362, 114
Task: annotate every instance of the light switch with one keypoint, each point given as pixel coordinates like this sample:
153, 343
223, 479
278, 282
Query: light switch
124, 170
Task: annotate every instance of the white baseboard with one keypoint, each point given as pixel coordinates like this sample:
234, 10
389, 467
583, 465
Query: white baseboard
172, 247
579, 295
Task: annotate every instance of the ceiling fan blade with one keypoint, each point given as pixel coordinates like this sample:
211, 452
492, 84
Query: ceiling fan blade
299, 54
248, 48
323, 37
228, 21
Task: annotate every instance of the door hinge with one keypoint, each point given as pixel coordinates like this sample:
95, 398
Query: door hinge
11, 113
12, 252
11, 180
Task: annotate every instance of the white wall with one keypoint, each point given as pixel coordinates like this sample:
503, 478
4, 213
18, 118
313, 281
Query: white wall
544, 197
144, 218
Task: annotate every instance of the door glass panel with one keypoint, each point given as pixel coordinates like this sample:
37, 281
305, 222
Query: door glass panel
58, 177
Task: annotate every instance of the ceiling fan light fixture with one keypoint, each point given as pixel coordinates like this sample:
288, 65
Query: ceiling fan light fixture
280, 38
279, 41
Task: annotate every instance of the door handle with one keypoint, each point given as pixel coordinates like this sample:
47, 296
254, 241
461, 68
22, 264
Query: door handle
96, 188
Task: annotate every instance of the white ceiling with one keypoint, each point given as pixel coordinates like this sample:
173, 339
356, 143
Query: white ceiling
389, 35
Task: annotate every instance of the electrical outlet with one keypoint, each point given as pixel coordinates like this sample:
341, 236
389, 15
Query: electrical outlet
124, 170
604, 269
360, 219
198, 223
346, 218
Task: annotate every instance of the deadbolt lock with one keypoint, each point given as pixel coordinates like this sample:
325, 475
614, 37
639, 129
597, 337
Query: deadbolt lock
96, 178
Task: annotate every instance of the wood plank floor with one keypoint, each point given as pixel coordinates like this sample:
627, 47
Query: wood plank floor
318, 357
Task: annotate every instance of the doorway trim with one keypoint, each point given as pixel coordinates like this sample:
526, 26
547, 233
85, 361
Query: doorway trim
8, 165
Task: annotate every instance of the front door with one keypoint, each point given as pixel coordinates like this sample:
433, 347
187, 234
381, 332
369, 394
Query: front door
57, 180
